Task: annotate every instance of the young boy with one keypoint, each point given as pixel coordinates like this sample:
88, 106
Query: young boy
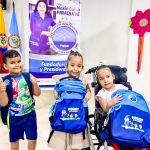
16, 92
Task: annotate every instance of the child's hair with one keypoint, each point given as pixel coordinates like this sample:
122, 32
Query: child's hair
73, 53
10, 54
103, 67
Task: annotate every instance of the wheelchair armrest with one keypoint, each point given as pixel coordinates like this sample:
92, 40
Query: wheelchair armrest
91, 116
100, 113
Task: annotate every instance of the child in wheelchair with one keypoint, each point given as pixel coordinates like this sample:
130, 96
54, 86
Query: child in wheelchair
118, 76
109, 80
106, 79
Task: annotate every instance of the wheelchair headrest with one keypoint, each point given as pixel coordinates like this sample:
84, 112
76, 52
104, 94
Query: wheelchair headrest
119, 72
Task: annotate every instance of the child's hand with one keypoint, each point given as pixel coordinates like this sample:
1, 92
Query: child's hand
2, 86
35, 89
116, 99
87, 97
56, 95
88, 94
33, 79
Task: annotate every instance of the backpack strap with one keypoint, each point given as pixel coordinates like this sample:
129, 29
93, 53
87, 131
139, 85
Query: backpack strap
26, 75
8, 82
50, 135
83, 134
4, 110
70, 78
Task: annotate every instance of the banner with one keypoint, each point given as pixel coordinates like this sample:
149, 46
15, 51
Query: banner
14, 41
54, 31
3, 43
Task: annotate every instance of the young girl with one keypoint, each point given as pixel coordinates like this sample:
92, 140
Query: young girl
62, 140
106, 80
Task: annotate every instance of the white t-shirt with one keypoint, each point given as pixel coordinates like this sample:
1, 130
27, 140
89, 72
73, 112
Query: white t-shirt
107, 94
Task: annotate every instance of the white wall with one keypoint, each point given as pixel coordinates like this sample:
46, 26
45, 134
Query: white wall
105, 35
105, 31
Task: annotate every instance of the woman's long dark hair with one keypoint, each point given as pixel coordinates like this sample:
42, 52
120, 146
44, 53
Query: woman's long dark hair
44, 1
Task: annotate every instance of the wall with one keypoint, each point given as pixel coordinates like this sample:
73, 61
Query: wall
105, 36
105, 31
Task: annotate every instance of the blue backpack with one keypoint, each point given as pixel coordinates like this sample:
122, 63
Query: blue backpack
68, 114
130, 120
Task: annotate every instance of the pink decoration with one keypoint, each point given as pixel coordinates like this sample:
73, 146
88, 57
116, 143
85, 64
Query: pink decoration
140, 24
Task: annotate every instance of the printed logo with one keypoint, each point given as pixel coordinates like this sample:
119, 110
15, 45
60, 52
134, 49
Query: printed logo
64, 38
3, 43
133, 123
70, 114
14, 41
132, 98
7, 82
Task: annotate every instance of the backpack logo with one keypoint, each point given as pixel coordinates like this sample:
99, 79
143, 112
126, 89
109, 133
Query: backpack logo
70, 114
133, 123
133, 98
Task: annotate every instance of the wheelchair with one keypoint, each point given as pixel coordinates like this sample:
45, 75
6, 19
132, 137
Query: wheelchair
97, 120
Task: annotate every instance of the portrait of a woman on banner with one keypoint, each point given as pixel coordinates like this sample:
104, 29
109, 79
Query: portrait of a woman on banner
41, 22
